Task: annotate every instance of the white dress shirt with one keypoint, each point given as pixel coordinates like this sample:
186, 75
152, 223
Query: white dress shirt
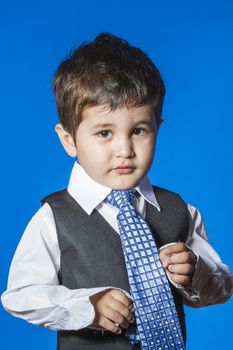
33, 292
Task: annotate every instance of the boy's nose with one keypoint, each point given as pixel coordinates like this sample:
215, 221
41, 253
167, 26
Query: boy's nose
125, 148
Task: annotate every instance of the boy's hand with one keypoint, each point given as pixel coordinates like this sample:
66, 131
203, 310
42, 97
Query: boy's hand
180, 262
113, 309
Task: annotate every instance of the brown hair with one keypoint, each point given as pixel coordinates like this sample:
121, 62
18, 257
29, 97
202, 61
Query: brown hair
107, 71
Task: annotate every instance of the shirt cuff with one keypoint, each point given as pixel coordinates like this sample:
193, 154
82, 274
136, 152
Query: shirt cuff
82, 311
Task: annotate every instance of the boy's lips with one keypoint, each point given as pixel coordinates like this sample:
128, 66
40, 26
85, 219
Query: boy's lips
124, 169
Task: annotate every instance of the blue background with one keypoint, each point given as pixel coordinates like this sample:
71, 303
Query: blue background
191, 42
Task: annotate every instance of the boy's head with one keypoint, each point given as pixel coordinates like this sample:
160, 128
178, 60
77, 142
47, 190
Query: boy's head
107, 71
109, 97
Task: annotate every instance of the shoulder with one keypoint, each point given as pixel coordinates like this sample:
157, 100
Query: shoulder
42, 216
41, 227
61, 203
59, 200
55, 196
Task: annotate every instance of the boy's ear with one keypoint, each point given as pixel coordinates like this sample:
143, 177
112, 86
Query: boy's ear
66, 140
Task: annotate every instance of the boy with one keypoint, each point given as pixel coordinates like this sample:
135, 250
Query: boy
71, 271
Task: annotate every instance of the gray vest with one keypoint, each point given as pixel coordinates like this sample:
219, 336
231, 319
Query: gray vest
92, 256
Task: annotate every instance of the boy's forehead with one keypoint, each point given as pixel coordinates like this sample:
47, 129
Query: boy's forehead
98, 109
105, 111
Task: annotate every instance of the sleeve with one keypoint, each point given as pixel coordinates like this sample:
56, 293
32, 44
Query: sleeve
212, 281
33, 292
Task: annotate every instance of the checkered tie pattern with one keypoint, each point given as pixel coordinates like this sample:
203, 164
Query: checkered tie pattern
157, 322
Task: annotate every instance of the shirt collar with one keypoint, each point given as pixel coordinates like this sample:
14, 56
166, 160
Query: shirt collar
96, 194
146, 191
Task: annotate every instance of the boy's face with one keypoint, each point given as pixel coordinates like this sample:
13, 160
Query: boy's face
116, 148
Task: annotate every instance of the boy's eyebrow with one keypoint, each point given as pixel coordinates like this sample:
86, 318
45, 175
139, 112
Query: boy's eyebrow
109, 125
147, 122
103, 125
143, 122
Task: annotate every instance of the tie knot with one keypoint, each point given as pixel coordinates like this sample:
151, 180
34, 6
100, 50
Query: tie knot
119, 198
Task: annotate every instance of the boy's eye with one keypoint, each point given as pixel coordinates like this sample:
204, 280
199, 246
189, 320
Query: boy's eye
104, 133
138, 131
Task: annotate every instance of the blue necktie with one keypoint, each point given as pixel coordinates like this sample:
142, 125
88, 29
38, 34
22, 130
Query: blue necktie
157, 322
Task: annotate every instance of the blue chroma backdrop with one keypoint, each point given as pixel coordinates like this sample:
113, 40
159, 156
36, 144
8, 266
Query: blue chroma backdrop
191, 43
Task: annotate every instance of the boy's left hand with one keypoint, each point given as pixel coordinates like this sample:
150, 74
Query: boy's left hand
180, 262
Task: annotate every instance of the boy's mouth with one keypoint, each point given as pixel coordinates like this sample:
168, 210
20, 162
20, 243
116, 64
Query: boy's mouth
124, 169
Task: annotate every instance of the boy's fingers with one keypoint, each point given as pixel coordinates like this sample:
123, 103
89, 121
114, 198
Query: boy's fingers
184, 280
116, 317
174, 248
162, 255
109, 307
180, 261
181, 269
121, 297
120, 313
105, 323
186, 257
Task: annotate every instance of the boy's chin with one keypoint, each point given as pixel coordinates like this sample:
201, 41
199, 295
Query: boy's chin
124, 184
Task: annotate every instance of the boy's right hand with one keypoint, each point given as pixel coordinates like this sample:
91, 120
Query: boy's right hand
112, 308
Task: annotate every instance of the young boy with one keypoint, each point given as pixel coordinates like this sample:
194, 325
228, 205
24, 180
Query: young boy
70, 272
